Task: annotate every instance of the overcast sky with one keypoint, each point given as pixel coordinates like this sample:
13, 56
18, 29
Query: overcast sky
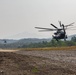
21, 16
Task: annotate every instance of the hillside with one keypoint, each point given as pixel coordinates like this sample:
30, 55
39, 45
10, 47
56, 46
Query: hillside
21, 42
11, 43
69, 37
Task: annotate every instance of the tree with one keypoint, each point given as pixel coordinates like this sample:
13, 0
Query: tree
73, 38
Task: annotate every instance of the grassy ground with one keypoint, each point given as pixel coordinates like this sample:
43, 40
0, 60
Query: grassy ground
51, 48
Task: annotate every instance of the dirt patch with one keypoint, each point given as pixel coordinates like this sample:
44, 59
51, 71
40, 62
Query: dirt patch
8, 50
17, 64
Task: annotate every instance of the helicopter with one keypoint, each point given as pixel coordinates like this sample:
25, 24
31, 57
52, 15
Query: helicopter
60, 32
4, 41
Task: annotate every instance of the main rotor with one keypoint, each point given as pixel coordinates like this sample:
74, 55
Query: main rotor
55, 27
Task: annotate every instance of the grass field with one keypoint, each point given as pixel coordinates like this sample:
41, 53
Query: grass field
51, 48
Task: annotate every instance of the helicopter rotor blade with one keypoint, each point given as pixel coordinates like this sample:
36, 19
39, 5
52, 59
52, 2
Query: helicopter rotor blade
69, 24
60, 23
72, 29
45, 28
54, 26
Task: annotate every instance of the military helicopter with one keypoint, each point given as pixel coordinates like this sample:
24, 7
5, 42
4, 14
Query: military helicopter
4, 41
60, 32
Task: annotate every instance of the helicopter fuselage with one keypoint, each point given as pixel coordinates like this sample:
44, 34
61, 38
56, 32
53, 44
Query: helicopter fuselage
60, 34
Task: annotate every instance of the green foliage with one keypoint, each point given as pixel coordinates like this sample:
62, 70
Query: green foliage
73, 39
52, 43
34, 70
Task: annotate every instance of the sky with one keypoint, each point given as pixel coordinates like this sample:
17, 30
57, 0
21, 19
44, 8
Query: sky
18, 18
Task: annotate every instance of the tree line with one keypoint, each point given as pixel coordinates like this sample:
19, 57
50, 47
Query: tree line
52, 43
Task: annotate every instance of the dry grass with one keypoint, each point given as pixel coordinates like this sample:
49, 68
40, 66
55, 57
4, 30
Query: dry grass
51, 48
